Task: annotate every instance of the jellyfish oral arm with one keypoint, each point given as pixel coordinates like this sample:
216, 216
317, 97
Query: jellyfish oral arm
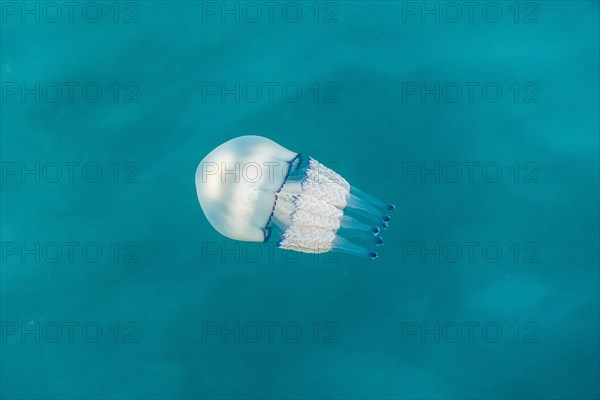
318, 221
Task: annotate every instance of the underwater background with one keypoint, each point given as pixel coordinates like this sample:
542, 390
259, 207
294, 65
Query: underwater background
478, 121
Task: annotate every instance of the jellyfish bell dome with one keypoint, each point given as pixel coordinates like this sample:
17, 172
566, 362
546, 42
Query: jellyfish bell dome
237, 185
250, 187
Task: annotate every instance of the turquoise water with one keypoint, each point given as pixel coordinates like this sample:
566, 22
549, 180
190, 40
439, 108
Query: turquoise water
481, 127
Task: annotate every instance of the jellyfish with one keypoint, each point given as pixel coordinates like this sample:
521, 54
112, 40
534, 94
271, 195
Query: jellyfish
252, 189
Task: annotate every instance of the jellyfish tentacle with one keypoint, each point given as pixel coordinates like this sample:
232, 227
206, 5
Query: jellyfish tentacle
362, 236
352, 223
367, 217
351, 248
358, 203
372, 199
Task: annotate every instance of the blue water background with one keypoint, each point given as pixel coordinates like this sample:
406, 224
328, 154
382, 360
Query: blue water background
369, 135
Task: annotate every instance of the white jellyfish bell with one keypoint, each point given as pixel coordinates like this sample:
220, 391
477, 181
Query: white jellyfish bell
252, 189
